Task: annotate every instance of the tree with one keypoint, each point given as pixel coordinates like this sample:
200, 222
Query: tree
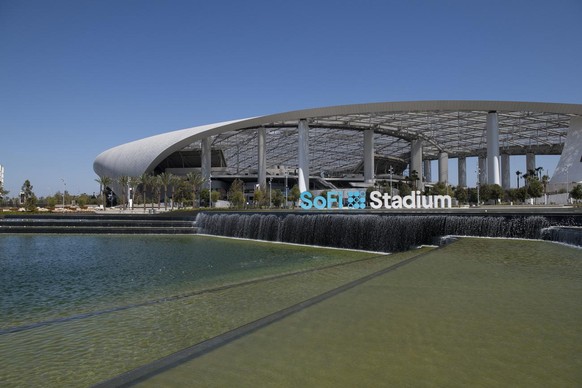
236, 194
123, 181
181, 191
2, 193
83, 199
485, 193
403, 189
414, 178
104, 181
440, 188
517, 195
133, 183
461, 194
196, 181
576, 192
539, 172
278, 198
215, 196
294, 195
51, 202
156, 184
145, 180
518, 173
175, 182
206, 195
259, 197
29, 197
496, 192
535, 188
473, 195
529, 176
166, 180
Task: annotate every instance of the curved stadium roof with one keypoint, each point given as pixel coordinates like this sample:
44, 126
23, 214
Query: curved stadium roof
336, 141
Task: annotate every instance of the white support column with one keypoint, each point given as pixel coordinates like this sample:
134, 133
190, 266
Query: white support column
530, 161
443, 167
462, 171
262, 165
505, 172
206, 161
493, 149
427, 170
303, 156
369, 156
416, 160
482, 170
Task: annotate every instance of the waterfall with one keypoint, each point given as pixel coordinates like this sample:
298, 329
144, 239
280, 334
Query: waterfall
567, 235
384, 233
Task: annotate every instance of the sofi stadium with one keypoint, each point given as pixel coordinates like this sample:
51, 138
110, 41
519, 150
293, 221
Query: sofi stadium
355, 145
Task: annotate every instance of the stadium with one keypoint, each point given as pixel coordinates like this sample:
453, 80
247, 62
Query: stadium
353, 146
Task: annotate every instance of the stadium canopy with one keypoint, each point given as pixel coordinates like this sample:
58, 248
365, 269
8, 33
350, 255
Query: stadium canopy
335, 137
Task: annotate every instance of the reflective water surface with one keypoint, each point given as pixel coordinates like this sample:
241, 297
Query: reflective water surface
80, 309
77, 310
478, 313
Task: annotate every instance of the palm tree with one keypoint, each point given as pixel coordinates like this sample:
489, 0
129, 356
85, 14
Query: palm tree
518, 173
103, 181
196, 181
166, 179
123, 181
539, 172
157, 188
525, 178
134, 181
145, 180
414, 177
175, 181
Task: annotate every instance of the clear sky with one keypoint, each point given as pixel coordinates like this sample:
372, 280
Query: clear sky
79, 77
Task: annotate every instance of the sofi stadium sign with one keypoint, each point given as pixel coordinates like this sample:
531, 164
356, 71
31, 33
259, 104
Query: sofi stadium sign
357, 200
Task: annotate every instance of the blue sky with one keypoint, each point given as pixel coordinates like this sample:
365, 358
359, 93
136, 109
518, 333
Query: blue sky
79, 77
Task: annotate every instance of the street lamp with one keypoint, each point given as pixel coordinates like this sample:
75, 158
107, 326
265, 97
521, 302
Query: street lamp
567, 178
65, 184
286, 188
391, 171
210, 190
478, 184
270, 201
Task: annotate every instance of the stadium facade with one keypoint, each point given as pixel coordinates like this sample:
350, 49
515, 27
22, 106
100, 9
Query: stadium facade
354, 145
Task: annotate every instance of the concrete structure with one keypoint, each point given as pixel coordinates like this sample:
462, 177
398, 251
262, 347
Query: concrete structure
351, 142
569, 168
493, 149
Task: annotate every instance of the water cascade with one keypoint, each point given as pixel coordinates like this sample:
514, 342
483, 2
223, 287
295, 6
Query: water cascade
369, 232
566, 234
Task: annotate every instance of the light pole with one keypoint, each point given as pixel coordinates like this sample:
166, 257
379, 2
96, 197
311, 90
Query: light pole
270, 201
478, 185
286, 188
210, 190
568, 182
65, 184
391, 171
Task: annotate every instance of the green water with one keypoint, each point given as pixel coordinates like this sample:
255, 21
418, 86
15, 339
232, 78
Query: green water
46, 278
478, 313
